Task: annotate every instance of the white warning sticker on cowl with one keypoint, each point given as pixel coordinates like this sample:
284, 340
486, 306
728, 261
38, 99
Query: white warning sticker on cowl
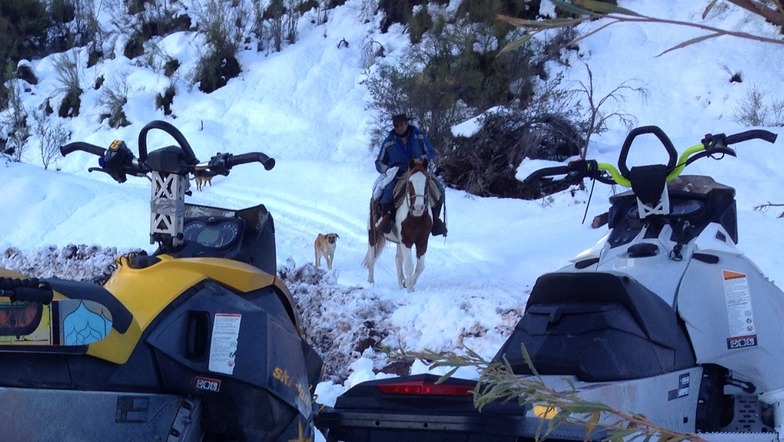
740, 314
225, 336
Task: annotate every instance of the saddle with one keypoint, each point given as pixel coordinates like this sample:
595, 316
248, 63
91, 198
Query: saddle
434, 193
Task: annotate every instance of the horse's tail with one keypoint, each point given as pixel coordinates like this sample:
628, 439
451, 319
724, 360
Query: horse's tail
376, 240
374, 250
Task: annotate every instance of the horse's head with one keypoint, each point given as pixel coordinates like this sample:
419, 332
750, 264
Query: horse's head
416, 187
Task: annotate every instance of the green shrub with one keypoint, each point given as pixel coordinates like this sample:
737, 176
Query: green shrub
23, 25
223, 30
164, 100
113, 99
67, 71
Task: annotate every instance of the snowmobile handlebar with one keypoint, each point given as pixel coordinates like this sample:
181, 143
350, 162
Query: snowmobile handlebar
185, 147
118, 161
20, 290
710, 146
221, 164
574, 172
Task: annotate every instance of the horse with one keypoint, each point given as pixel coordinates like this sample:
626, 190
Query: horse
413, 222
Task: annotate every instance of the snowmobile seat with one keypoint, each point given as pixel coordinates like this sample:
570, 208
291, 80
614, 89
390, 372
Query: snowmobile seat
599, 327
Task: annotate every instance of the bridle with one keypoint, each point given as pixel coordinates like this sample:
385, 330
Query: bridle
412, 196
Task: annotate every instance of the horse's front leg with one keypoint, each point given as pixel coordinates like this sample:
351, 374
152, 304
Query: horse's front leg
409, 269
403, 257
420, 266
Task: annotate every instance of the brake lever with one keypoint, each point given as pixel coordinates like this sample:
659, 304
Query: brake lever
99, 169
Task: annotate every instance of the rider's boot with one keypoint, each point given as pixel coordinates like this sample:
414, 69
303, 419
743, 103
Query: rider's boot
439, 227
386, 218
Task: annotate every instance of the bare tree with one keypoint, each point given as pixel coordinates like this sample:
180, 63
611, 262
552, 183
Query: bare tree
14, 122
584, 11
753, 110
50, 136
597, 118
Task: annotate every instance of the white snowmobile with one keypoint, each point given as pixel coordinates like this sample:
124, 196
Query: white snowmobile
664, 317
199, 341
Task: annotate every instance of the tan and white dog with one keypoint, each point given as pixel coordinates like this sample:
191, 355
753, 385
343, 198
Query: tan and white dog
203, 178
325, 246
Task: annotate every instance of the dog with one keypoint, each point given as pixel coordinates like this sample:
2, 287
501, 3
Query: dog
325, 246
202, 178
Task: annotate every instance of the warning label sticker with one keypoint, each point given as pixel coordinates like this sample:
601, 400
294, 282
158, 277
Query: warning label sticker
225, 335
739, 310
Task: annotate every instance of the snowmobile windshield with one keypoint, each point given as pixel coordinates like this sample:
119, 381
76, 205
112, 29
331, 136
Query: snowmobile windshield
19, 318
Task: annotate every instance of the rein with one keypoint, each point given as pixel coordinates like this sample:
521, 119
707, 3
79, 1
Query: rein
411, 197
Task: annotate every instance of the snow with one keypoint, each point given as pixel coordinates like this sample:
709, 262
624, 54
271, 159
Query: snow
306, 107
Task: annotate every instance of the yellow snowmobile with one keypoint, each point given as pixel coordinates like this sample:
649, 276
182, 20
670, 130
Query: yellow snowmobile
198, 341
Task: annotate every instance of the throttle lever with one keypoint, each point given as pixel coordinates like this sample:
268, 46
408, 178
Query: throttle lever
219, 164
714, 142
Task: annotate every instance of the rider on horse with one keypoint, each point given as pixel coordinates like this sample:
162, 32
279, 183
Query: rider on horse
403, 143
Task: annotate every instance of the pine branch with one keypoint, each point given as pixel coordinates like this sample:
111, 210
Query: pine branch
498, 382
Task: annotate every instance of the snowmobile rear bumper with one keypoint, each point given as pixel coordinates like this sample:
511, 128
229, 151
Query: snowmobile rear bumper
465, 426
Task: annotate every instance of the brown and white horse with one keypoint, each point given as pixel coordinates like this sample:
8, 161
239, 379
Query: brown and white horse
413, 221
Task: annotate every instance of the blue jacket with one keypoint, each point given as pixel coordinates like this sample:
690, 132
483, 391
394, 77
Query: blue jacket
396, 153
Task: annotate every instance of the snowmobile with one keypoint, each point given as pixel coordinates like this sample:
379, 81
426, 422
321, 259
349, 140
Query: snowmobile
665, 318
198, 341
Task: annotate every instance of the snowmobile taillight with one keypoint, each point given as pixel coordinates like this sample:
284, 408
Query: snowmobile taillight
425, 388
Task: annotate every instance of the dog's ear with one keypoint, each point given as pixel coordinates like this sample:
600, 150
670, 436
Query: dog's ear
337, 236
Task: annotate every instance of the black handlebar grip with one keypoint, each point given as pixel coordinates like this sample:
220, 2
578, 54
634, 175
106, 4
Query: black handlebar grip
26, 290
42, 294
251, 157
753, 134
85, 147
545, 172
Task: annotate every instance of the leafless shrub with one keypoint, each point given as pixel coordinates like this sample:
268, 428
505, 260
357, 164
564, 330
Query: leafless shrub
14, 123
372, 50
277, 23
51, 135
598, 116
753, 110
